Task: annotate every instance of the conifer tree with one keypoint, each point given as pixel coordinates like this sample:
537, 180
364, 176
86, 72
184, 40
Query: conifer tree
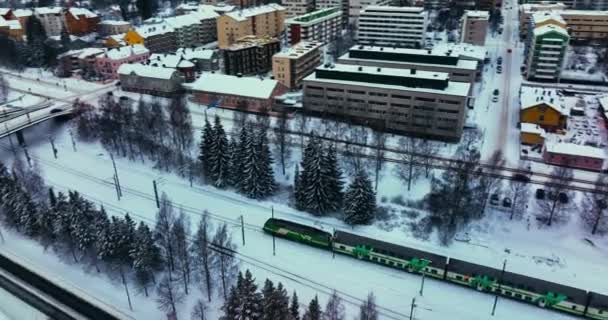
267, 184
314, 310
219, 157
294, 307
205, 150
368, 310
360, 201
298, 195
269, 301
241, 162
311, 180
251, 299
146, 257
333, 178
233, 168
334, 310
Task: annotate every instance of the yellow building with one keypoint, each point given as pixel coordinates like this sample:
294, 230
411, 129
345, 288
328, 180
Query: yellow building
532, 134
291, 66
262, 21
132, 38
543, 108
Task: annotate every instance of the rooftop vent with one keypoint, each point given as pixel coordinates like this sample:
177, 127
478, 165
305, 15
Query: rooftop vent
379, 69
240, 75
412, 71
381, 48
360, 68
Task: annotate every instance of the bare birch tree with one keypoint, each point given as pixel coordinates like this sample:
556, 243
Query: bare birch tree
557, 191
593, 215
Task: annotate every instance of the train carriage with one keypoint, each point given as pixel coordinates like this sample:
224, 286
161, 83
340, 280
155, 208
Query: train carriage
389, 254
518, 287
598, 306
298, 232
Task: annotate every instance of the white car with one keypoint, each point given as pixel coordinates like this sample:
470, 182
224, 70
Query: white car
494, 99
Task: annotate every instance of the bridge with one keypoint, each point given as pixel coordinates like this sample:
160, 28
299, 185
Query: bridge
16, 120
51, 296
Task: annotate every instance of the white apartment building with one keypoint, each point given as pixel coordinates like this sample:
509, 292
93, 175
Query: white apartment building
546, 52
298, 7
320, 26
51, 19
575, 4
402, 27
356, 6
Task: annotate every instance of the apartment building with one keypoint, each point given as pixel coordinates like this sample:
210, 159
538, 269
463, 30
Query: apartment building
113, 27
435, 4
574, 4
545, 52
208, 19
402, 27
108, 63
457, 68
582, 25
320, 26
188, 30
262, 21
356, 6
250, 55
298, 7
81, 21
146, 79
158, 37
474, 27
410, 101
326, 4
51, 19
291, 66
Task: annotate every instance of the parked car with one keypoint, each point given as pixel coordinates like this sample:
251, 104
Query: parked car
540, 194
509, 50
506, 202
521, 177
494, 199
499, 60
563, 198
496, 92
499, 70
494, 99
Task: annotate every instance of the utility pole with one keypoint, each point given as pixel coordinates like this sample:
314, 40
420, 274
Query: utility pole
116, 186
422, 284
53, 147
116, 175
73, 141
156, 194
274, 246
504, 266
412, 309
243, 229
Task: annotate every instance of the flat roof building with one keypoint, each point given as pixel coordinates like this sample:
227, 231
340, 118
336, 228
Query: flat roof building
474, 27
262, 21
582, 25
291, 66
403, 27
401, 100
545, 53
322, 26
250, 55
574, 4
458, 69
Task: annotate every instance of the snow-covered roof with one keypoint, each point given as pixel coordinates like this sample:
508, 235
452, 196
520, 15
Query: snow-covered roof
153, 29
220, 7
240, 86
532, 128
146, 71
22, 13
533, 96
544, 16
575, 150
195, 53
531, 7
242, 15
205, 14
48, 10
12, 24
477, 14
298, 50
4, 11
170, 61
83, 53
182, 21
549, 28
76, 12
462, 50
604, 102
394, 9
115, 23
126, 51
119, 38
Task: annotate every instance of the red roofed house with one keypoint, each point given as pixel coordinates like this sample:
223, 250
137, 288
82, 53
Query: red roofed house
250, 94
80, 21
7, 14
574, 155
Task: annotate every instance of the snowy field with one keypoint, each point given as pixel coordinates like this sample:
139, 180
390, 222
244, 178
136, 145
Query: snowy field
584, 63
11, 308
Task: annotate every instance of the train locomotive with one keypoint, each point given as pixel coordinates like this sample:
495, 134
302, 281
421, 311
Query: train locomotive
507, 284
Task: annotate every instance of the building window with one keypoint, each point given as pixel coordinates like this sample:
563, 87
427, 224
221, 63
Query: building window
541, 118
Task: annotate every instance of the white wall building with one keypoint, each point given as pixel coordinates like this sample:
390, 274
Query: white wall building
51, 19
356, 6
402, 27
321, 25
298, 7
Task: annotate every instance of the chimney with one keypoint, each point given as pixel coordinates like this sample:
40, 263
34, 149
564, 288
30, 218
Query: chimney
360, 68
379, 69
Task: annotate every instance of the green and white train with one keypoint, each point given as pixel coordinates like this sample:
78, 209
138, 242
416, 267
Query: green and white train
511, 285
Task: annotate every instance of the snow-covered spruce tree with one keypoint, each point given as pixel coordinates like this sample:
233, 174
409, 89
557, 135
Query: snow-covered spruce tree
267, 184
312, 183
294, 307
46, 220
219, 156
333, 178
251, 299
247, 162
202, 254
232, 304
63, 225
275, 302
180, 234
233, 162
360, 201
368, 310
204, 155
298, 195
334, 310
314, 310
146, 257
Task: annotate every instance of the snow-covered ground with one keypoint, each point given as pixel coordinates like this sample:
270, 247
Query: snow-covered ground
582, 64
11, 308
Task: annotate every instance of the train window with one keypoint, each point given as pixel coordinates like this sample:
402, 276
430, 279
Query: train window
573, 307
390, 263
433, 271
382, 261
518, 296
458, 278
528, 298
508, 293
426, 269
600, 312
343, 247
374, 259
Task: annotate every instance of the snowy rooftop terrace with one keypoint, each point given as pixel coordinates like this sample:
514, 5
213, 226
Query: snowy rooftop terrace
126, 51
298, 50
170, 61
575, 150
394, 8
543, 16
242, 15
253, 87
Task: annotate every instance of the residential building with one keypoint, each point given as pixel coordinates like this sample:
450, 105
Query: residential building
320, 26
249, 94
203, 59
403, 27
326, 4
250, 55
458, 69
298, 7
158, 37
113, 27
545, 53
108, 63
574, 4
291, 66
51, 19
532, 134
22, 15
543, 107
400, 100
435, 4
185, 67
81, 21
474, 27
208, 19
132, 37
355, 7
156, 81
118, 40
262, 21
12, 29
574, 155
582, 25
187, 28
82, 59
